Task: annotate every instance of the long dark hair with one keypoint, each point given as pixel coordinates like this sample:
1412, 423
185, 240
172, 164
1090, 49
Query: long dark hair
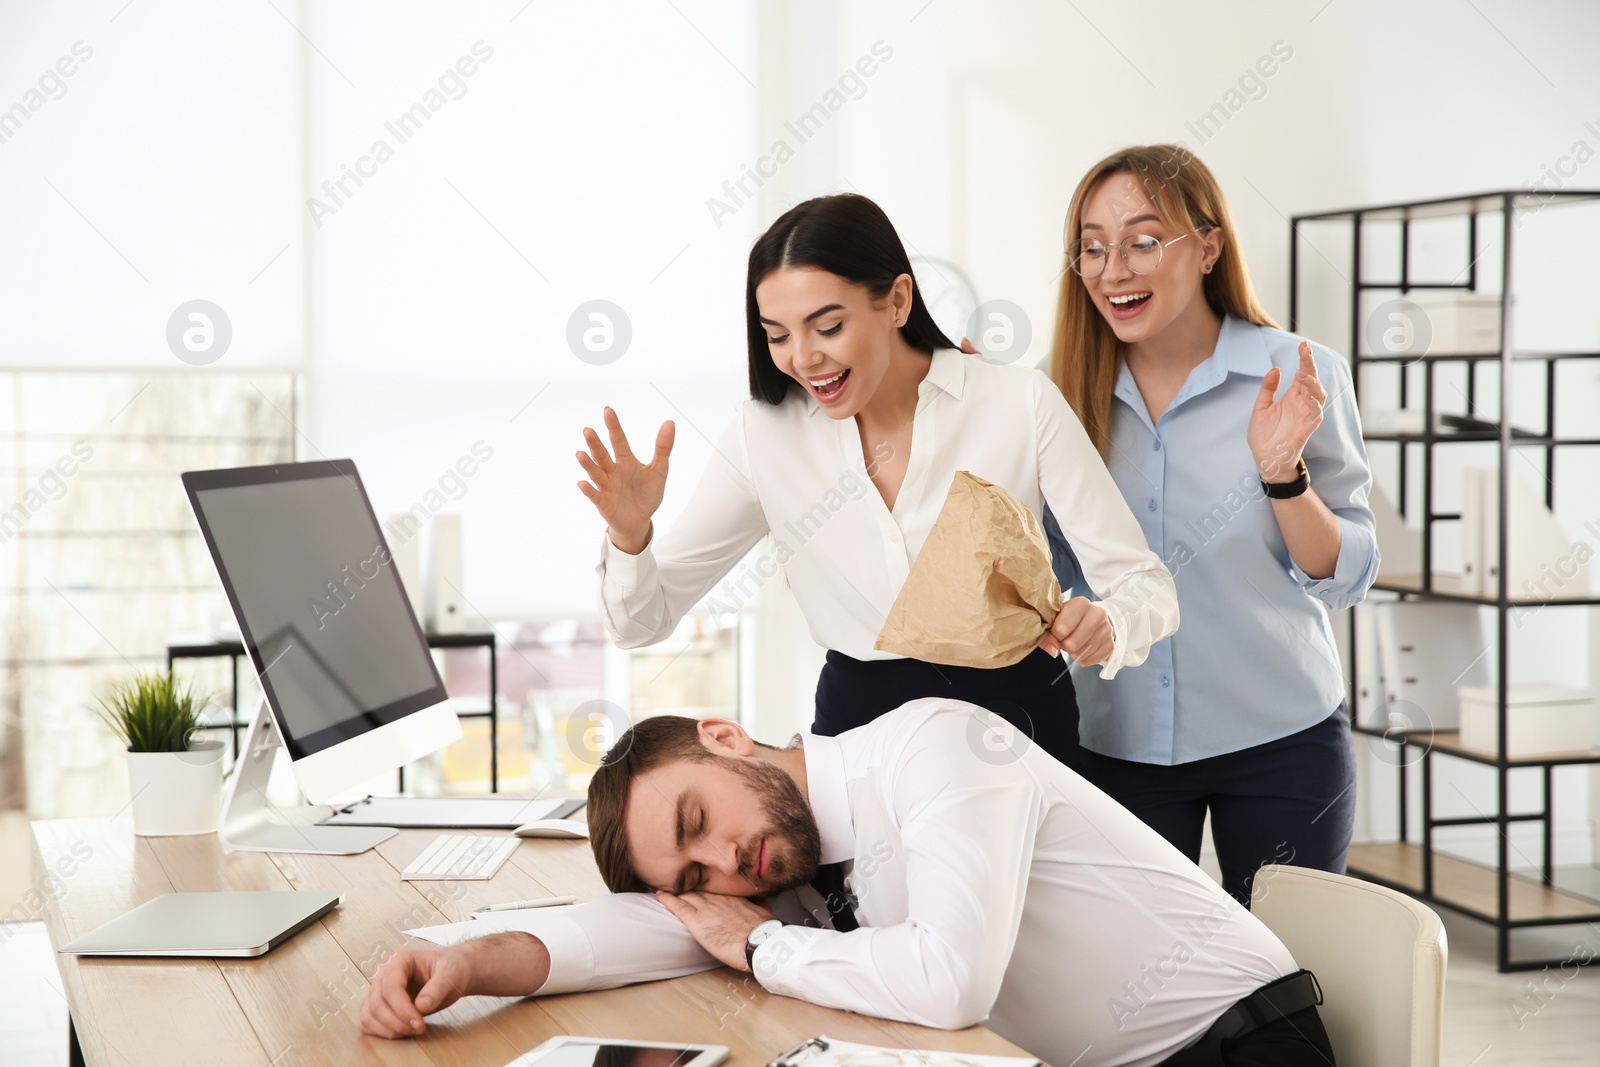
847, 235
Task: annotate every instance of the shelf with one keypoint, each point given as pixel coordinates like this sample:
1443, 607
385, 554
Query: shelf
1448, 587
205, 648
1468, 357
1449, 741
1428, 357
1448, 207
1427, 286
1467, 886
1441, 437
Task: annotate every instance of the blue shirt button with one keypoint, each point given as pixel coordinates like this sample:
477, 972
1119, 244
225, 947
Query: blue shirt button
1152, 505
1156, 446
1165, 682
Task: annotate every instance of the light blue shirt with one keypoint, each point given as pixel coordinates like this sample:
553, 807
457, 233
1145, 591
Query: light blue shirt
1254, 659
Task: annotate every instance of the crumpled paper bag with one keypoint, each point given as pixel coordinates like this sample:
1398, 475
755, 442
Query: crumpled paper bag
981, 592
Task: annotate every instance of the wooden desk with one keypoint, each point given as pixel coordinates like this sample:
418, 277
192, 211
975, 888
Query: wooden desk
299, 1003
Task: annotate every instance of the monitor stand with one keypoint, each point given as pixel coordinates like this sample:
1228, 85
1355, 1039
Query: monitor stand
247, 824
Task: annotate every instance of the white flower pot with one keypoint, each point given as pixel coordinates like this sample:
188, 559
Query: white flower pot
176, 792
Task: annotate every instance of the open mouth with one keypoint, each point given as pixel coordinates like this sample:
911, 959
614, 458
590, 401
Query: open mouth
1127, 305
829, 389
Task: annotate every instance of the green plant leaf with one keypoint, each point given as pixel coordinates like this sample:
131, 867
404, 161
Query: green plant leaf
151, 712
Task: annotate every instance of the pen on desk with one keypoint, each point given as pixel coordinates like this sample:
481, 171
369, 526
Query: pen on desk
515, 905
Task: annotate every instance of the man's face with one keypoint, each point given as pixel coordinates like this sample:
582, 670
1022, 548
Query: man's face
732, 825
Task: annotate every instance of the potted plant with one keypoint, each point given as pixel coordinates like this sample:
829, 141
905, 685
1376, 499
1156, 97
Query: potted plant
176, 781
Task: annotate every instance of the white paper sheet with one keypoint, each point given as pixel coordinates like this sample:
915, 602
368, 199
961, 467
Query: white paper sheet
851, 1054
492, 813
490, 922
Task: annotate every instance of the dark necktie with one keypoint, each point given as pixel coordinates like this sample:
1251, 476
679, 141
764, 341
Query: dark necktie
830, 883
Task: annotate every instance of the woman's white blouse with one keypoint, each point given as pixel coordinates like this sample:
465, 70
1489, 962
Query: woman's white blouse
791, 471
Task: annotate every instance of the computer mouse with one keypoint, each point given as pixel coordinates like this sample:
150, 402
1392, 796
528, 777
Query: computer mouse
562, 828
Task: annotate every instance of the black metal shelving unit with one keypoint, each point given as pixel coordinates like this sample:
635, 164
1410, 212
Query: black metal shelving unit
1496, 895
233, 650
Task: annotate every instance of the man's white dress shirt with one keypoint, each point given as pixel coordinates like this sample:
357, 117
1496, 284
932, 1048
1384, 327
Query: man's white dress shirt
994, 885
790, 471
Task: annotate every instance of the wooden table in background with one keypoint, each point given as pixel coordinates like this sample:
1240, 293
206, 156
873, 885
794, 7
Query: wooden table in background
299, 1003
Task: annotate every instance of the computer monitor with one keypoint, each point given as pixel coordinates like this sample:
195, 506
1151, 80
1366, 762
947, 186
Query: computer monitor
349, 686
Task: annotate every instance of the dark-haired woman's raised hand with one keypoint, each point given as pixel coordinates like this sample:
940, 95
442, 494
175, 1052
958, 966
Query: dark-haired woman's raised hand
625, 491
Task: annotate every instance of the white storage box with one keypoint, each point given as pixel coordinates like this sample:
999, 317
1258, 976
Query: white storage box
1390, 420
1463, 323
1539, 719
1426, 652
1431, 322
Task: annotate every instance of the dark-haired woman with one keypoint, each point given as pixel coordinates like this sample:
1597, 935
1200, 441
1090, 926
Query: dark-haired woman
861, 413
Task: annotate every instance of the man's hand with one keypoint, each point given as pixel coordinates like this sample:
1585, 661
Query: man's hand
411, 983
1083, 631
720, 923
414, 982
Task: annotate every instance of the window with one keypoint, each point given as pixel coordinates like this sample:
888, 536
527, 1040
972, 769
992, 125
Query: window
100, 559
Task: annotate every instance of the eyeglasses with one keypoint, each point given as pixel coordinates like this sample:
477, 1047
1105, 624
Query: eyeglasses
1141, 252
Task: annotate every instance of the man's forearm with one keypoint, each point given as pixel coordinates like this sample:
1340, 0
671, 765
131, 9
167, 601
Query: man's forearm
511, 964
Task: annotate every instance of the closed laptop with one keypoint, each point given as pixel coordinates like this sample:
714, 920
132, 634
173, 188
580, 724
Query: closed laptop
207, 924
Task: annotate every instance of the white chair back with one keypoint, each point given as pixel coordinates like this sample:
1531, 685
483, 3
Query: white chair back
1379, 956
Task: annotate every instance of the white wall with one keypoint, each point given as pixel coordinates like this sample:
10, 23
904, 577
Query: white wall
163, 169
427, 305
974, 134
575, 166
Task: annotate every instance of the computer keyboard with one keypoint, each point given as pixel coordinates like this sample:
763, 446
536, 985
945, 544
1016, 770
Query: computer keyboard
461, 857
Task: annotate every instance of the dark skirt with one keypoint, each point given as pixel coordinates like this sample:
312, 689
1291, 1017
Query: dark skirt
1035, 695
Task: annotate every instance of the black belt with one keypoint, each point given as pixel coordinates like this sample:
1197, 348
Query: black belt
1269, 1004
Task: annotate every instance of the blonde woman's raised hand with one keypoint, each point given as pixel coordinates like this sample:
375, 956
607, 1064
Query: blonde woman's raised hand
1279, 429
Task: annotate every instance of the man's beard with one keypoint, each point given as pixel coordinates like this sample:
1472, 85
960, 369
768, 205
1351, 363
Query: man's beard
794, 845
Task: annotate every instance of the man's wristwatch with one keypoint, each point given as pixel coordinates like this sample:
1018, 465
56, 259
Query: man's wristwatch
756, 938
1289, 490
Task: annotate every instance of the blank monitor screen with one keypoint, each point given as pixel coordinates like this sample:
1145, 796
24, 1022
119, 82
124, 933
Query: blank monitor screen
317, 597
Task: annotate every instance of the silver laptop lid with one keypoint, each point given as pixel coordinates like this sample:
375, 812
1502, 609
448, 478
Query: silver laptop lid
207, 924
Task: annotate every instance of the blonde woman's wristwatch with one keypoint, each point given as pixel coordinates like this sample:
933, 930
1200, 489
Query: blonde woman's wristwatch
1290, 490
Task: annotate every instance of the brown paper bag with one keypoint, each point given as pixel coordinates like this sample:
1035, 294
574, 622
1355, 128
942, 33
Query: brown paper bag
982, 591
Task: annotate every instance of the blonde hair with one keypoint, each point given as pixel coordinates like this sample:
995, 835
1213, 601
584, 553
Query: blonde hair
1086, 352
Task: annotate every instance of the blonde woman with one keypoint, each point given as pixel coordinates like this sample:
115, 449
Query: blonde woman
1238, 448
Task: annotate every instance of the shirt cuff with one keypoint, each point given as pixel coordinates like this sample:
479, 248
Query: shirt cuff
622, 577
1119, 643
623, 567
1354, 570
779, 962
1142, 612
571, 955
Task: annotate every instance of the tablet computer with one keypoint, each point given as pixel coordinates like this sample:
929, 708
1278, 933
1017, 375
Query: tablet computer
572, 1051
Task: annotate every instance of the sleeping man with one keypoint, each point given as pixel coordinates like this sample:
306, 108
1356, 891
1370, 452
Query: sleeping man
932, 867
